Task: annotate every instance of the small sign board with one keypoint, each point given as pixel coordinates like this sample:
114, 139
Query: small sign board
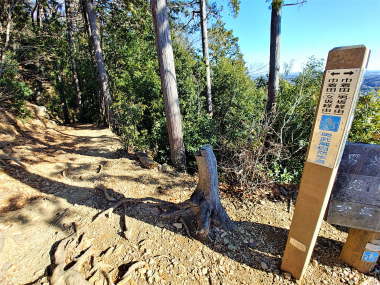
361, 249
370, 256
334, 112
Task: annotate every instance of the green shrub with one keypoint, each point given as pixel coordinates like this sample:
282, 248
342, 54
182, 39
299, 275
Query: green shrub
366, 125
14, 92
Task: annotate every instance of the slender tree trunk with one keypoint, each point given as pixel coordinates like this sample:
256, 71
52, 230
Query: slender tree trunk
203, 9
87, 25
85, 17
65, 109
168, 82
274, 61
34, 11
7, 36
39, 14
69, 22
105, 100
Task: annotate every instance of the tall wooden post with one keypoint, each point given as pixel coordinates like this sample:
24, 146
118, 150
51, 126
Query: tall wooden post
342, 79
168, 82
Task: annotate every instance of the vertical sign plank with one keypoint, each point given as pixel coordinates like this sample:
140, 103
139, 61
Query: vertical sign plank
341, 83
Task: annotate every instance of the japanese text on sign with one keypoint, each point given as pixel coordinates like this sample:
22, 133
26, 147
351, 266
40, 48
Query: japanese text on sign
337, 98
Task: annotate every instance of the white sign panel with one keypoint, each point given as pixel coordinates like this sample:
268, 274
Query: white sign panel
334, 112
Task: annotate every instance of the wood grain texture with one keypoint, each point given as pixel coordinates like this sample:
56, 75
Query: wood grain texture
204, 206
311, 205
206, 195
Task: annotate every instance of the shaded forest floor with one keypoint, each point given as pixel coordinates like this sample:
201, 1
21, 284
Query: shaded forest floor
54, 182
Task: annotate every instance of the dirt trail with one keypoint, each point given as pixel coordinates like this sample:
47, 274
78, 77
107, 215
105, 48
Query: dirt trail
54, 182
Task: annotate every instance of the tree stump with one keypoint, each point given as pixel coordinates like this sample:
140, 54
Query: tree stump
204, 203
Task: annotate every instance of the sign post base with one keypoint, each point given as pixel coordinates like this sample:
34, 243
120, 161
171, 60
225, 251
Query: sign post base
361, 250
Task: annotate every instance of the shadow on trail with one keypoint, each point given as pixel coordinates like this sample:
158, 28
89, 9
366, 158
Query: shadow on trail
50, 147
267, 246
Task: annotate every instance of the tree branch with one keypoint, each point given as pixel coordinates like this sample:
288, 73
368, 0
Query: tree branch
183, 4
191, 19
296, 3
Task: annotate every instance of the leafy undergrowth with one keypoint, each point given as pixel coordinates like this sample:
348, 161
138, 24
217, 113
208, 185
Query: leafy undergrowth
58, 182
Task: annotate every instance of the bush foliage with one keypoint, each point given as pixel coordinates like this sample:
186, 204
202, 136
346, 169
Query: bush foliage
252, 149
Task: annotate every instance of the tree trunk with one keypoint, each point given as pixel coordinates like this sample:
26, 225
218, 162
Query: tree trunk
203, 10
69, 22
39, 14
87, 26
33, 12
204, 203
168, 82
7, 36
105, 100
65, 109
274, 61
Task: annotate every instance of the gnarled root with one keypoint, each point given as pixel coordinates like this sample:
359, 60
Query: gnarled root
204, 203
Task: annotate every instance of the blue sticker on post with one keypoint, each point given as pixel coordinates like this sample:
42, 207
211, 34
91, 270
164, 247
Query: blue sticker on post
329, 123
370, 256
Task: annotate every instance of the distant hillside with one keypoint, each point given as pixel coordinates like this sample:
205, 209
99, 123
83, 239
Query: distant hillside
371, 80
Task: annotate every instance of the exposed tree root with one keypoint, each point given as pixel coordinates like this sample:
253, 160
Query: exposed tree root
204, 203
70, 276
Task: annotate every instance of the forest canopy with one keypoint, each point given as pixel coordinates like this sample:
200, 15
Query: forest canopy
50, 56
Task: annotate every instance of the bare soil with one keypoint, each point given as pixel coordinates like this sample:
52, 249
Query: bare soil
56, 182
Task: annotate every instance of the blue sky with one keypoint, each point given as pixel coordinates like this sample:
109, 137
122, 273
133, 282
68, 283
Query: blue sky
311, 29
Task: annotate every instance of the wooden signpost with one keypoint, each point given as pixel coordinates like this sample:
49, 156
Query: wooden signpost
341, 83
